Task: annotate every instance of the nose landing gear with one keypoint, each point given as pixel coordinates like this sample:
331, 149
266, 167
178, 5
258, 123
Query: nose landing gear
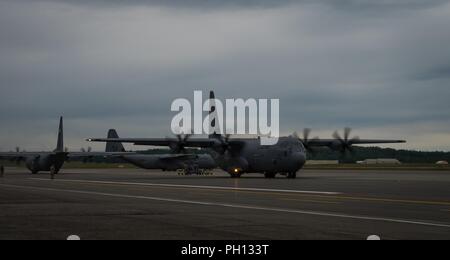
53, 171
235, 173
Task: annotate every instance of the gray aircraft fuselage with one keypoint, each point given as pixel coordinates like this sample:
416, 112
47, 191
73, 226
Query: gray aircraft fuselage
166, 162
44, 162
287, 156
154, 162
51, 161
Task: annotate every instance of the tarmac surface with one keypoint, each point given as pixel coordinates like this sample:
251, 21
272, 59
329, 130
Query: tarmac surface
141, 204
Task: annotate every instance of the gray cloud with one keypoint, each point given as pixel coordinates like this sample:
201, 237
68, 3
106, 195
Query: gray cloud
438, 72
332, 64
352, 5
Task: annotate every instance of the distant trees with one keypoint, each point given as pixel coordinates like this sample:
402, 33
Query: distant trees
363, 153
360, 154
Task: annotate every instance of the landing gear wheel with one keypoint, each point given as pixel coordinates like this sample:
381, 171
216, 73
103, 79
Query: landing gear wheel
53, 172
34, 172
292, 175
235, 175
270, 175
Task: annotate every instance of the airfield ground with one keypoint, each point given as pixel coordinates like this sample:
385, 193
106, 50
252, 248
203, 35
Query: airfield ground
138, 204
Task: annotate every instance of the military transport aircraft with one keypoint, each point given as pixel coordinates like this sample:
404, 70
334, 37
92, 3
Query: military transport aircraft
50, 161
246, 155
188, 163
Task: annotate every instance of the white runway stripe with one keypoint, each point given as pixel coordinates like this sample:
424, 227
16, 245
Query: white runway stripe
302, 212
196, 186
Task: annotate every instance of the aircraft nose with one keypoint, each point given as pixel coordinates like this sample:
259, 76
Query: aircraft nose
299, 159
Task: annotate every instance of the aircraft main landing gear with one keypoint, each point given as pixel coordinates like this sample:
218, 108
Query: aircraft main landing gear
235, 175
2, 171
292, 175
270, 175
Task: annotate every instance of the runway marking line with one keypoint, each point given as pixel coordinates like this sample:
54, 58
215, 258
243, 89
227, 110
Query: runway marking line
226, 205
424, 202
195, 186
313, 201
280, 196
315, 194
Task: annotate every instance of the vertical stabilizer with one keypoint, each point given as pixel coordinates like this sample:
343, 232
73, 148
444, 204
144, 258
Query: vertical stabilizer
213, 114
112, 147
60, 142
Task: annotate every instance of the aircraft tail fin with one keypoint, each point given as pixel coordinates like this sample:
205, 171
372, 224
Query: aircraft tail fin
212, 110
213, 113
114, 147
60, 142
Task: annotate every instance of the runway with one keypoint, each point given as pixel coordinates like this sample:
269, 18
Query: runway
140, 204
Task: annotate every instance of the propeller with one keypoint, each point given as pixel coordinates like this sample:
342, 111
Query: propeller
18, 160
88, 150
233, 147
66, 151
306, 140
179, 146
345, 143
224, 143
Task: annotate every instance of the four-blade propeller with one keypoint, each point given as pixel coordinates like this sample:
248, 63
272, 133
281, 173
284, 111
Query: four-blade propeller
306, 140
342, 144
180, 145
87, 159
345, 144
88, 150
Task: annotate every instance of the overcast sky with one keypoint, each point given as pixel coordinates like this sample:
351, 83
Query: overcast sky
381, 67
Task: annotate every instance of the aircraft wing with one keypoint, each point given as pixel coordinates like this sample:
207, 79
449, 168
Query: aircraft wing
169, 157
97, 154
330, 142
24, 155
193, 142
20, 155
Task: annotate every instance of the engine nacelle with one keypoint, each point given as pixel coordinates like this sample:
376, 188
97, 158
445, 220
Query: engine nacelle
336, 146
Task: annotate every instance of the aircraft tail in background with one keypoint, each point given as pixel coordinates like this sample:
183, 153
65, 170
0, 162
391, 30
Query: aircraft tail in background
112, 147
60, 142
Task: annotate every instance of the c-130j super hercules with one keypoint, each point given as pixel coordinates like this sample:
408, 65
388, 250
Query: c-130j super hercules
238, 156
179, 160
51, 161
